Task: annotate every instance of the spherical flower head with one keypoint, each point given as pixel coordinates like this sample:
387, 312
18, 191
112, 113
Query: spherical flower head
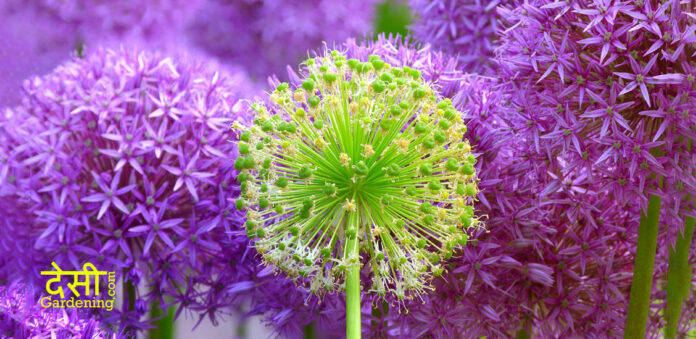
122, 159
611, 85
359, 152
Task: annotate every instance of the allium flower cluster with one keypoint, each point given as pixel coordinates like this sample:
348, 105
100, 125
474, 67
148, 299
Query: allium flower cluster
21, 316
466, 29
361, 150
123, 159
613, 87
267, 35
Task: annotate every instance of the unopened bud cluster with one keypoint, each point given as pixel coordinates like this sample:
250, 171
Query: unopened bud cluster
358, 149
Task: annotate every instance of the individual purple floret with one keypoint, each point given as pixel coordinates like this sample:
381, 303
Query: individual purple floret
123, 159
465, 28
266, 35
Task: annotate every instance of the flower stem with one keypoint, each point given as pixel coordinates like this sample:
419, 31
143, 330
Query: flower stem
309, 331
641, 285
128, 298
525, 331
678, 278
353, 292
164, 327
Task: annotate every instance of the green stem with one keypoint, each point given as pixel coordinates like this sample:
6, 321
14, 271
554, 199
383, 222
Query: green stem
641, 285
678, 278
353, 293
128, 299
524, 332
164, 327
379, 312
242, 328
309, 331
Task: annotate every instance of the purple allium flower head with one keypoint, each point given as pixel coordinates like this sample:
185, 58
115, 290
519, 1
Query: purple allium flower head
550, 260
122, 159
465, 28
21, 316
266, 35
613, 86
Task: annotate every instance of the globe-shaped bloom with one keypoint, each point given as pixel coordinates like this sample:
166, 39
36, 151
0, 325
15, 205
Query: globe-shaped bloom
361, 150
265, 36
122, 159
612, 86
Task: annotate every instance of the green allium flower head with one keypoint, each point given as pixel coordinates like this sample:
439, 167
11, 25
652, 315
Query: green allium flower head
359, 163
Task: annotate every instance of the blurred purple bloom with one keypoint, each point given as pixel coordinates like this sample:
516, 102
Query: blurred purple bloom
37, 35
266, 35
31, 42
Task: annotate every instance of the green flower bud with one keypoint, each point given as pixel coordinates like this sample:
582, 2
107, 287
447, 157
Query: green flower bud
282, 182
308, 85
239, 204
314, 101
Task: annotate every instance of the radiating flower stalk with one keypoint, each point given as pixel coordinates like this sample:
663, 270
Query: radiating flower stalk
360, 164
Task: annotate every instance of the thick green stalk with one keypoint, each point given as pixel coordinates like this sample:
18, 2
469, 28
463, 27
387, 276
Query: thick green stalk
353, 293
309, 331
678, 278
641, 285
164, 327
524, 332
128, 298
242, 328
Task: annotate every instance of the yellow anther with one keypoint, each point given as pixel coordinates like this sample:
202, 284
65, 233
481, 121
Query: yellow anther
369, 151
350, 205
